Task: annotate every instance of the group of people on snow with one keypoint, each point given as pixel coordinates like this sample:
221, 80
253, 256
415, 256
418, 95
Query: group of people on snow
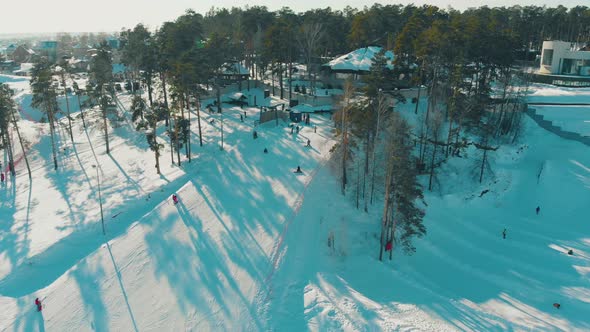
569, 252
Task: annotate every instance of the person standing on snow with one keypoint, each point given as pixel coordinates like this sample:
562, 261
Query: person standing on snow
38, 304
175, 199
538, 209
2, 177
504, 234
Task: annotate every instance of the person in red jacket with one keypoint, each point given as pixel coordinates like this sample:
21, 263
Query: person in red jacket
39, 305
175, 198
389, 246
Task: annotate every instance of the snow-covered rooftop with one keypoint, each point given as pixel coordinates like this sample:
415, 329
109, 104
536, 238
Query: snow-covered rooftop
305, 108
359, 60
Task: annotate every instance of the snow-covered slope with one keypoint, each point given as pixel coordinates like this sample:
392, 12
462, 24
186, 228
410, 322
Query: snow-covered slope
201, 264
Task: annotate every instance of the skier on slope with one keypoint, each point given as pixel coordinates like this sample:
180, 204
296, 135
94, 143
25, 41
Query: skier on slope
2, 177
174, 199
38, 304
538, 209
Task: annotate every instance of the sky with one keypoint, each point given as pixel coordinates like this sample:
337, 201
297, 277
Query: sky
31, 16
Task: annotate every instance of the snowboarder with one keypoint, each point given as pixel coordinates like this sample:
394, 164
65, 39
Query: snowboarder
298, 170
557, 305
38, 304
255, 134
175, 199
504, 233
538, 209
570, 252
308, 143
265, 150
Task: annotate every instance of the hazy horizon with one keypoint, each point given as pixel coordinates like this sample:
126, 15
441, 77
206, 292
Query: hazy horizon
112, 15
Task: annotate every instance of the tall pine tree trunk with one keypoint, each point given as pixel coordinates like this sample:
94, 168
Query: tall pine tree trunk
150, 89
154, 125
63, 80
52, 132
432, 166
281, 79
272, 79
198, 106
81, 110
384, 220
172, 139
20, 139
220, 111
392, 224
184, 128
8, 147
290, 80
177, 136
104, 122
163, 80
188, 129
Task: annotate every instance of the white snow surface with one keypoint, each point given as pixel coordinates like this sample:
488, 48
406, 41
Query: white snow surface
245, 248
545, 93
360, 59
572, 112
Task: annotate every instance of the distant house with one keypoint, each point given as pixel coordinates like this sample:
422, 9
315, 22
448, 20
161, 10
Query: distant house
78, 65
358, 61
8, 66
10, 49
564, 58
25, 70
234, 72
354, 64
23, 54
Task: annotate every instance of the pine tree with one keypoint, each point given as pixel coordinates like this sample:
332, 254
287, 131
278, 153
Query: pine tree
401, 214
8, 115
45, 98
101, 70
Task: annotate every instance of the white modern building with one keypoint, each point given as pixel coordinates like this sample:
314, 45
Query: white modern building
564, 58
